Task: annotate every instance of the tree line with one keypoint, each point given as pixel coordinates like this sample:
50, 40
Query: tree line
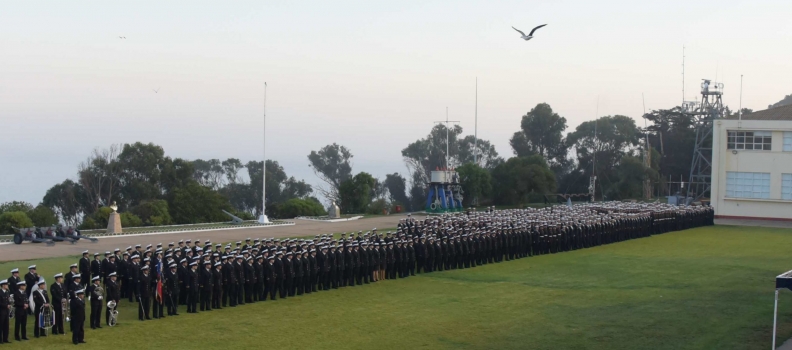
151, 188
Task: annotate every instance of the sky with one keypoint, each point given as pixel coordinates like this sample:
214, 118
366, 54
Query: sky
371, 75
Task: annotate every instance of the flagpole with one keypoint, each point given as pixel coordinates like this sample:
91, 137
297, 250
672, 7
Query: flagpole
263, 218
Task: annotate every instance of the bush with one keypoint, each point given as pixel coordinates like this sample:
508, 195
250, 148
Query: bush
88, 224
43, 216
14, 219
376, 207
153, 213
130, 220
300, 207
195, 204
101, 217
24, 207
244, 215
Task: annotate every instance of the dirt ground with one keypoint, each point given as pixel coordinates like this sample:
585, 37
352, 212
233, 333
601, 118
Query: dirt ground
26, 251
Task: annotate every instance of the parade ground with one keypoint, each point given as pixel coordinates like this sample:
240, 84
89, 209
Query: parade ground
703, 288
301, 228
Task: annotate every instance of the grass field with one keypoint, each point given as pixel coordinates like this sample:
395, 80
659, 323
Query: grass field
706, 288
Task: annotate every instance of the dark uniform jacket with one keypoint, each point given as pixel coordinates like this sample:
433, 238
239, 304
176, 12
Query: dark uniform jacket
77, 310
12, 284
40, 297
217, 280
30, 280
85, 269
58, 292
192, 281
206, 280
112, 290
96, 268
144, 285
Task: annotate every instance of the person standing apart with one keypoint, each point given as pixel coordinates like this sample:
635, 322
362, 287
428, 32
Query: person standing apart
20, 312
5, 311
77, 306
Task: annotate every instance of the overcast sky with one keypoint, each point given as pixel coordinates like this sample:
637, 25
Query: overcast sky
371, 75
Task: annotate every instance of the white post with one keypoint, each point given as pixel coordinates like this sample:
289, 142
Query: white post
475, 129
740, 112
263, 218
775, 317
448, 141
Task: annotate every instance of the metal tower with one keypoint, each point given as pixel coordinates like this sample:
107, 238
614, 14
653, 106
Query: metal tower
710, 109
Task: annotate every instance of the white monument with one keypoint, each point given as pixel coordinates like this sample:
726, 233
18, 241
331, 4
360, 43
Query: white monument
333, 211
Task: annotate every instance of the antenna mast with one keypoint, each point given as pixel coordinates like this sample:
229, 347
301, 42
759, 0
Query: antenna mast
448, 139
475, 132
683, 76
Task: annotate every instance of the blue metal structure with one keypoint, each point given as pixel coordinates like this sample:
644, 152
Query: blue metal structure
445, 192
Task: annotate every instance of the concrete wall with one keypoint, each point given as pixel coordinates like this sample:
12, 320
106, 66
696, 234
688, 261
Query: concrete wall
775, 162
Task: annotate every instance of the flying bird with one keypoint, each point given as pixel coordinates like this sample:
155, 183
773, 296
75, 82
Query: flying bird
122, 37
529, 36
155, 91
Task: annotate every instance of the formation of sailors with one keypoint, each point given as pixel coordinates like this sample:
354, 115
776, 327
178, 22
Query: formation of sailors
205, 277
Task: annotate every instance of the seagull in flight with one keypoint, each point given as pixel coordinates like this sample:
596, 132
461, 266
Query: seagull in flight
156, 91
122, 37
529, 36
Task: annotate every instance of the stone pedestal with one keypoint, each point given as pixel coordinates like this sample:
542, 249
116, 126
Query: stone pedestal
114, 223
333, 211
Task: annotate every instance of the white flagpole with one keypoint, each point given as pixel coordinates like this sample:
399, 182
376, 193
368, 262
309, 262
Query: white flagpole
263, 218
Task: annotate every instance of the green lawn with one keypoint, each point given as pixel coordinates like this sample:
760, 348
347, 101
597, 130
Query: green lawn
707, 288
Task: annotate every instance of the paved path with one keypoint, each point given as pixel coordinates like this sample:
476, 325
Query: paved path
26, 251
760, 223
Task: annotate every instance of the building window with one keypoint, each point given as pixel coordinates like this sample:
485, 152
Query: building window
788, 141
749, 140
786, 186
747, 185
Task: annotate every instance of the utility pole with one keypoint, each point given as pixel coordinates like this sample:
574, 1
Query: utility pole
647, 187
475, 128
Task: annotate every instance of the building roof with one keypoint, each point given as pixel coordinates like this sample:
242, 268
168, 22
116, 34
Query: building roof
777, 113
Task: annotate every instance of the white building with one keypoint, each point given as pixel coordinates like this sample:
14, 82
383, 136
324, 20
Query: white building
752, 165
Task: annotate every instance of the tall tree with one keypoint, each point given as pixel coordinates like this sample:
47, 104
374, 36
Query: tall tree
98, 176
333, 165
67, 200
519, 177
397, 189
141, 169
356, 193
541, 132
476, 184
280, 187
231, 167
24, 207
672, 133
193, 204
616, 136
210, 173
480, 152
787, 100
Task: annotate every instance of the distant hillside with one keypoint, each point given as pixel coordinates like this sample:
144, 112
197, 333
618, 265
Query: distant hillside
787, 100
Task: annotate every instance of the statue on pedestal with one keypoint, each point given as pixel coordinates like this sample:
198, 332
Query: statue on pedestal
114, 221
